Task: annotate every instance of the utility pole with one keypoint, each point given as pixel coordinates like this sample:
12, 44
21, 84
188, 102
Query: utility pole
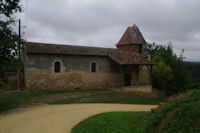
19, 55
19, 39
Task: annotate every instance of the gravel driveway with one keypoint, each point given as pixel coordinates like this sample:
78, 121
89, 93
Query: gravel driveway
57, 118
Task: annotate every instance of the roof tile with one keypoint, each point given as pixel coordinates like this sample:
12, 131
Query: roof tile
132, 35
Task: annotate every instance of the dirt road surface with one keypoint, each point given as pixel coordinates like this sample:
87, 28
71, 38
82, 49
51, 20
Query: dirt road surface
57, 118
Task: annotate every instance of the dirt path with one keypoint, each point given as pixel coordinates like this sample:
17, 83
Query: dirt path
57, 118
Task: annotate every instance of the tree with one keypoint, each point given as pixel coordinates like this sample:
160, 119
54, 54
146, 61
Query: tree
9, 7
194, 68
169, 74
8, 38
162, 74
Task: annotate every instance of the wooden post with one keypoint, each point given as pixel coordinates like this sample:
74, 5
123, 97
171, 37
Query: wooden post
18, 73
19, 50
19, 40
138, 68
150, 74
122, 73
137, 76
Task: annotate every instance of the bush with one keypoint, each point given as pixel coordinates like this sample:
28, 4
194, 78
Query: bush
170, 74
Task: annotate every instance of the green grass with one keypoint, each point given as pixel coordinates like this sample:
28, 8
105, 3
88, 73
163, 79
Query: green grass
13, 99
112, 122
185, 118
112, 97
154, 119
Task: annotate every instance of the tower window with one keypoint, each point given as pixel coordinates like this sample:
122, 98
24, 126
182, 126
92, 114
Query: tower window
140, 49
57, 67
93, 67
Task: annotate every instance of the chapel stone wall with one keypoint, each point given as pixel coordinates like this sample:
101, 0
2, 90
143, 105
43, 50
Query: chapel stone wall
75, 72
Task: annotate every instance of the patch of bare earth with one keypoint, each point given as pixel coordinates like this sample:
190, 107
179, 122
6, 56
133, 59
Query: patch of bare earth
165, 118
169, 114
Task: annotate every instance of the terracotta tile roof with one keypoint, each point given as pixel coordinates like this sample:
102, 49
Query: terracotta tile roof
132, 35
120, 56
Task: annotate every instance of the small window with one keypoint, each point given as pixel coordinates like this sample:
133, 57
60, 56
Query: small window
140, 49
94, 67
57, 67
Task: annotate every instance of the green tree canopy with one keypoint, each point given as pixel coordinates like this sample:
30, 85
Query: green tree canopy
8, 38
169, 74
9, 7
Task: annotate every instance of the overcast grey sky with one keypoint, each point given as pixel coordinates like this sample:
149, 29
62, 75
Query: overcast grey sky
101, 23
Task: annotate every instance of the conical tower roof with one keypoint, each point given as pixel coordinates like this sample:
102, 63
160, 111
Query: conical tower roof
132, 35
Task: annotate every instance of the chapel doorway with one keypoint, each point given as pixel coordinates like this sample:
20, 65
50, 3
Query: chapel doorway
127, 80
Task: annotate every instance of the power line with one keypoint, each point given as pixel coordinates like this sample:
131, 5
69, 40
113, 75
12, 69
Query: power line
63, 4
26, 10
56, 11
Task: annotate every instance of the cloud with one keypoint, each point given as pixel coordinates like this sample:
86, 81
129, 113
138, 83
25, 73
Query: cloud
102, 23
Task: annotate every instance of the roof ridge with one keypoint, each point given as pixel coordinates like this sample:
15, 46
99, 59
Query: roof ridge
131, 34
38, 43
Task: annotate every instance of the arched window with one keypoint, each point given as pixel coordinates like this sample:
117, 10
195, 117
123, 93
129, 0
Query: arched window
57, 67
93, 67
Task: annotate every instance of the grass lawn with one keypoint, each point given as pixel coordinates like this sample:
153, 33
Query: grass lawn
112, 122
13, 99
185, 119
179, 116
103, 96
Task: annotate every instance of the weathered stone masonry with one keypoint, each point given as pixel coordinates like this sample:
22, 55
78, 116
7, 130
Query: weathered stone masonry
75, 72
